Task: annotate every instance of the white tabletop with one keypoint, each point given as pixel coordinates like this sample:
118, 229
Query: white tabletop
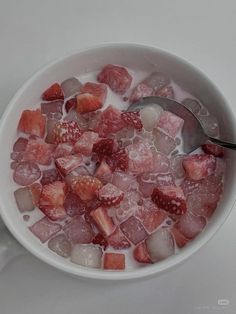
33, 33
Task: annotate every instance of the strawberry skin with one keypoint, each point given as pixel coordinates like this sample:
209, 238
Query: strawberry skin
110, 195
66, 132
170, 198
104, 147
212, 149
86, 187
54, 92
132, 119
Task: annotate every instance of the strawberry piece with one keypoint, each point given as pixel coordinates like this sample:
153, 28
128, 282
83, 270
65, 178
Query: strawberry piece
166, 92
44, 229
26, 173
38, 151
86, 142
110, 195
78, 230
118, 160
170, 123
140, 253
140, 157
50, 176
104, 147
110, 121
170, 198
103, 221
203, 204
132, 119
32, 122
70, 104
117, 77
66, 132
100, 240
63, 150
103, 172
180, 239
190, 226
199, 166
114, 261
117, 240
133, 230
140, 91
54, 92
20, 144
52, 199
95, 89
213, 149
74, 205
86, 187
36, 190
66, 164
87, 103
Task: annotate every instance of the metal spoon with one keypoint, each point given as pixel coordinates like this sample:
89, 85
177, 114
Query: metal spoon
193, 132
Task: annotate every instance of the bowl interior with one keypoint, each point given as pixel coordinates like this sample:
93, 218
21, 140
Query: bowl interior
138, 58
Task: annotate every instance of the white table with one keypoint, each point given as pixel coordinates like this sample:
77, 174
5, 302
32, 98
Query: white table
33, 33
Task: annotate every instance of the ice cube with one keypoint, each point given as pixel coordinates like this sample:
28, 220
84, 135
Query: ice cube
71, 86
87, 255
163, 142
210, 125
150, 116
160, 245
165, 179
24, 199
161, 163
190, 226
44, 229
192, 104
177, 166
78, 230
124, 181
157, 80
170, 123
202, 204
50, 127
74, 205
133, 230
60, 245
52, 107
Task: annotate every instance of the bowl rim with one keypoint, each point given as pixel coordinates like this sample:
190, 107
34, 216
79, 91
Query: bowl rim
152, 269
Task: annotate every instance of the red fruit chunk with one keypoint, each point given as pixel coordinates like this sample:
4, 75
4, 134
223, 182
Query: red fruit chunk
170, 123
104, 147
51, 107
66, 132
110, 195
199, 166
132, 119
78, 230
140, 91
17, 156
52, 199
188, 186
87, 103
202, 204
86, 142
26, 173
103, 221
133, 230
140, 157
74, 205
212, 149
36, 190
118, 160
95, 89
20, 144
170, 198
140, 253
166, 92
114, 261
71, 104
180, 239
86, 187
50, 138
117, 77
38, 151
54, 92
110, 121
50, 176
66, 164
63, 150
103, 172
190, 226
100, 240
151, 217
44, 229
32, 122
117, 240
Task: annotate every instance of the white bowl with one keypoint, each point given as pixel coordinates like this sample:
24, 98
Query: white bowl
137, 57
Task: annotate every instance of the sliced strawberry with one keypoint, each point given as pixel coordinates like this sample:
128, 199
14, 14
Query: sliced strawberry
36, 190
86, 142
103, 221
199, 166
180, 239
32, 122
117, 77
213, 149
170, 198
104, 147
95, 89
140, 91
132, 119
70, 103
118, 160
86, 187
117, 240
20, 144
100, 240
66, 132
38, 151
63, 150
110, 195
54, 92
114, 261
87, 103
140, 253
52, 199
103, 172
110, 121
49, 176
68, 163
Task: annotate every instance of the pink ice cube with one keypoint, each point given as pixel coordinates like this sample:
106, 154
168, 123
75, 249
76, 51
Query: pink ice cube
44, 229
170, 123
133, 230
163, 142
78, 230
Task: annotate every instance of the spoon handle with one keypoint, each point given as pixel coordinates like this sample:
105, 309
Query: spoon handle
223, 143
